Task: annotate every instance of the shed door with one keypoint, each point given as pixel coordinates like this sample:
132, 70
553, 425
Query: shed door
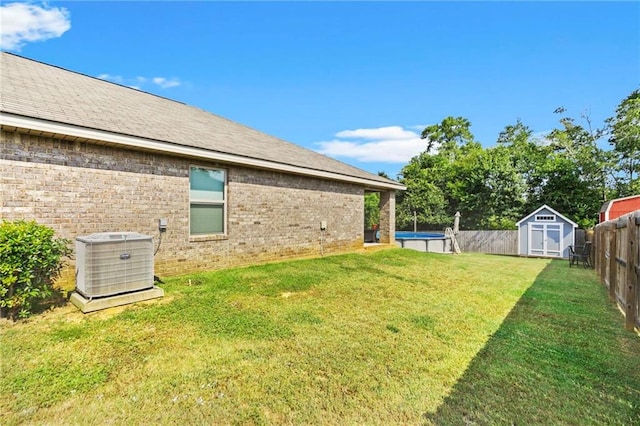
545, 239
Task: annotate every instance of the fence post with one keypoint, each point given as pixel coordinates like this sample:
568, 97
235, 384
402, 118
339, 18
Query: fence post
610, 232
612, 277
632, 277
597, 245
613, 265
603, 252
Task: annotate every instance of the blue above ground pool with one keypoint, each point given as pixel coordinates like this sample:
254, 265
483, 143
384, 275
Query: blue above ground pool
432, 242
401, 235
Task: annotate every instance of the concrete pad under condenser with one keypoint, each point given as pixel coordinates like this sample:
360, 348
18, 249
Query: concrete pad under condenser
92, 305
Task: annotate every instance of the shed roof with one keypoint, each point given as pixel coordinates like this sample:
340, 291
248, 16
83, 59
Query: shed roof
566, 219
48, 100
606, 206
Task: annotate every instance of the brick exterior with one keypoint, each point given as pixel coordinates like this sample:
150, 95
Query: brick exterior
79, 188
387, 217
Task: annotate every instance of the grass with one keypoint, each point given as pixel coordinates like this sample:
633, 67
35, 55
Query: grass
390, 337
561, 356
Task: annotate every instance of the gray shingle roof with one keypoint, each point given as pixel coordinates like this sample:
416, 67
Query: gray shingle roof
37, 90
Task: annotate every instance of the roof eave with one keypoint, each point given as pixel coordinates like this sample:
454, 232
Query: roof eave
572, 223
17, 122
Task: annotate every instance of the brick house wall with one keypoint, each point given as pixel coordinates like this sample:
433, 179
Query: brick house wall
79, 188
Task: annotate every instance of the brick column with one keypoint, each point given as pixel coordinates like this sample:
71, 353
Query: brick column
387, 217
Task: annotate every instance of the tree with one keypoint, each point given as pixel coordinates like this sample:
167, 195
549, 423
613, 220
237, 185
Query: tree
494, 187
372, 206
625, 139
447, 166
506, 187
484, 185
449, 135
423, 177
574, 171
371, 209
526, 155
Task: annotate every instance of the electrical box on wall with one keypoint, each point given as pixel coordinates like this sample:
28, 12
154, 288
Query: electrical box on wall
323, 225
162, 225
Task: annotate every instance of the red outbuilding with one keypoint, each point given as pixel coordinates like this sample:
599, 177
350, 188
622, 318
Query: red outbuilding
613, 209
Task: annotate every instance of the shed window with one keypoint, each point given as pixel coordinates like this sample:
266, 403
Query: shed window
545, 218
207, 201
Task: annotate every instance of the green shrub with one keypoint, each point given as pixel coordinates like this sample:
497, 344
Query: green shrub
30, 260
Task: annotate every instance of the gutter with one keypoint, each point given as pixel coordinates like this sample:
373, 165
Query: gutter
19, 123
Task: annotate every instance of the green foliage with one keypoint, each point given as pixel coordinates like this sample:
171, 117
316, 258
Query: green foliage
371, 209
424, 194
625, 139
495, 222
494, 187
569, 172
484, 185
30, 260
372, 206
449, 135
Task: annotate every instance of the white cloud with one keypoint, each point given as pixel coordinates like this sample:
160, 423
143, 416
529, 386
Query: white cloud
166, 83
114, 78
418, 127
22, 23
139, 82
392, 144
542, 137
391, 132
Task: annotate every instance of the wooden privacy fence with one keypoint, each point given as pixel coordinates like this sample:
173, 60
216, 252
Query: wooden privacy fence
497, 242
492, 242
617, 261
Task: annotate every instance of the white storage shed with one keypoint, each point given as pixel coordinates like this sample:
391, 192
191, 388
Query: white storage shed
545, 232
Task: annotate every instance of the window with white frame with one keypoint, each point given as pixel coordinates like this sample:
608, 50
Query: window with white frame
207, 201
545, 218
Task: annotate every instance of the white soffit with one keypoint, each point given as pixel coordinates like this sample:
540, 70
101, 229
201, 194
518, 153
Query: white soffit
61, 129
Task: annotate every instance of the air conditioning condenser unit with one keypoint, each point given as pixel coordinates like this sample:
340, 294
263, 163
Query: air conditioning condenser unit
112, 263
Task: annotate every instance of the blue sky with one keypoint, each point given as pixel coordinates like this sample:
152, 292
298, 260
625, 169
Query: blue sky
357, 81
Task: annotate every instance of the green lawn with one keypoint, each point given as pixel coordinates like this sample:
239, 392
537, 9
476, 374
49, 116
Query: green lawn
390, 337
